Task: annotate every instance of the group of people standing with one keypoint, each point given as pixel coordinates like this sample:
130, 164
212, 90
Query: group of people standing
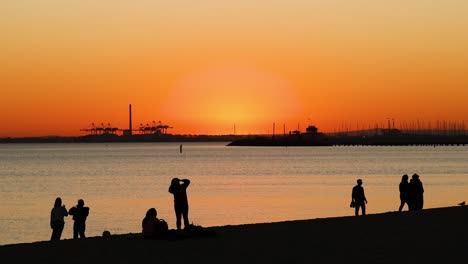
59, 212
411, 193
151, 225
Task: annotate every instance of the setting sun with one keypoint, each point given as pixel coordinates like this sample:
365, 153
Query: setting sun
247, 131
224, 96
207, 66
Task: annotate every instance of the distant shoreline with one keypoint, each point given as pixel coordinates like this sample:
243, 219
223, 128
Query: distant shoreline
120, 139
303, 139
437, 235
347, 140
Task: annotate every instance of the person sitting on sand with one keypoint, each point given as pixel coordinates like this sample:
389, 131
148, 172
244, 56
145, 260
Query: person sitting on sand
181, 208
152, 226
404, 192
80, 213
359, 198
56, 219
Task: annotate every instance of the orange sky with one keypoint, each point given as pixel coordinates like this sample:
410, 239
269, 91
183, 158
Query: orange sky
203, 66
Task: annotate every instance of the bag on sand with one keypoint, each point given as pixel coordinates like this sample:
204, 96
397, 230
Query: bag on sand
161, 227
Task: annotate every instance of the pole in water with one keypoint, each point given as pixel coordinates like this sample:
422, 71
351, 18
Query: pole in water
180, 148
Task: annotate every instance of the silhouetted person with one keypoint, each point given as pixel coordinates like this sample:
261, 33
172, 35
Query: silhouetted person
56, 219
404, 192
80, 213
179, 189
416, 193
152, 226
359, 198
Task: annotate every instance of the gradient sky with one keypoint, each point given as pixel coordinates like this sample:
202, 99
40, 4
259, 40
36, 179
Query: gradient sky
203, 66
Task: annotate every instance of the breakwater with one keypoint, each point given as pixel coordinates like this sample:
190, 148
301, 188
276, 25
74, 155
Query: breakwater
345, 140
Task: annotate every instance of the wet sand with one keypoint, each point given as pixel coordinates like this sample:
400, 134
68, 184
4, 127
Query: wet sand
437, 235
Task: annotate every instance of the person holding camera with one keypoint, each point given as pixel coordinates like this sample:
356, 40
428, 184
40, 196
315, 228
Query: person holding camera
179, 189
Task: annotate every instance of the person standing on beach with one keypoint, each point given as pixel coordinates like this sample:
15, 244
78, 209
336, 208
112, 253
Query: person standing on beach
404, 192
416, 192
80, 213
56, 219
179, 189
359, 198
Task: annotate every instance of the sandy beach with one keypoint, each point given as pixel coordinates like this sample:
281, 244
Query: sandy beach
428, 236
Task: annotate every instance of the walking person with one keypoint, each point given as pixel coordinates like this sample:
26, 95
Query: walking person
358, 198
416, 191
404, 193
57, 222
179, 189
80, 213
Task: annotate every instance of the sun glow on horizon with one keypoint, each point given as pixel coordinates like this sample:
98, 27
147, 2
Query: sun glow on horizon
230, 95
204, 67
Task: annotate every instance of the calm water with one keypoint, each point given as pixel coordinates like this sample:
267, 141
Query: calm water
230, 185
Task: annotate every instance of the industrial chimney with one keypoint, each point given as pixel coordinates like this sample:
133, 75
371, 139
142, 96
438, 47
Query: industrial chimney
130, 119
128, 132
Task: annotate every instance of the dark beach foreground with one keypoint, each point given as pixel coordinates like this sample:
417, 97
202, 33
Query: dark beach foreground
437, 235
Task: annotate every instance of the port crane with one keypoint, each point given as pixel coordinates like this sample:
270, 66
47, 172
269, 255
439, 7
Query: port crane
153, 128
101, 129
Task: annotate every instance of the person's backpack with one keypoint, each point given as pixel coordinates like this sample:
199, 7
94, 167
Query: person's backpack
79, 214
161, 227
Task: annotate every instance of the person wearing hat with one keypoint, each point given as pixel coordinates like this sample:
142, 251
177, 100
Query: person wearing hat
358, 198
